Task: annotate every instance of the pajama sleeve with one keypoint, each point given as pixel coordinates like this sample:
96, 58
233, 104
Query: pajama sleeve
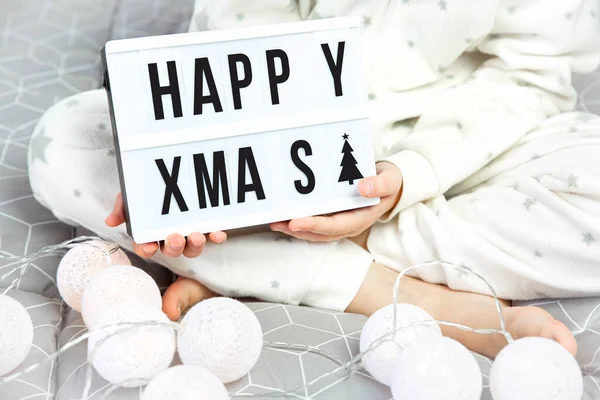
532, 50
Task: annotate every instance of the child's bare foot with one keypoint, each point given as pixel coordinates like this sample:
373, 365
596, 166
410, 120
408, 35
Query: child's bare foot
473, 310
183, 294
533, 321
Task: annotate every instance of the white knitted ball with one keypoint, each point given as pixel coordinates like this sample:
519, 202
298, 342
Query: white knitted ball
16, 334
131, 356
535, 368
115, 284
80, 265
436, 368
379, 362
185, 382
221, 335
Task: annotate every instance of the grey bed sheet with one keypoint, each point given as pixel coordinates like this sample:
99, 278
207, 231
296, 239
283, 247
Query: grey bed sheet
49, 50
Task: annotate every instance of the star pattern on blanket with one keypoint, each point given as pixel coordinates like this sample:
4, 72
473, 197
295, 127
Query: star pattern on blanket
572, 180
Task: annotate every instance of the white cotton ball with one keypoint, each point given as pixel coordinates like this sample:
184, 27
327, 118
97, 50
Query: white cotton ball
221, 335
379, 362
436, 368
80, 265
115, 284
16, 334
131, 356
185, 382
535, 368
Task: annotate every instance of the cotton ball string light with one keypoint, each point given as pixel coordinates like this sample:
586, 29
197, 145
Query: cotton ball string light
535, 368
130, 355
16, 334
436, 368
185, 382
380, 361
81, 264
221, 335
116, 284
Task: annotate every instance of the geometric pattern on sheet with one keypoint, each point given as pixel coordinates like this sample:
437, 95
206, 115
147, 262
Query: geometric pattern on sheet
45, 314
338, 335
335, 333
588, 89
48, 52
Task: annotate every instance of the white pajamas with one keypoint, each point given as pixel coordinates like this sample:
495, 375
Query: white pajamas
471, 100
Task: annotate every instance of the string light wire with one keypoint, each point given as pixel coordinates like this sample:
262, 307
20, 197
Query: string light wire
349, 367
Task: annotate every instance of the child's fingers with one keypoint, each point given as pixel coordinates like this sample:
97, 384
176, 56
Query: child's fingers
173, 245
308, 236
346, 223
385, 184
279, 226
217, 237
145, 250
195, 245
117, 215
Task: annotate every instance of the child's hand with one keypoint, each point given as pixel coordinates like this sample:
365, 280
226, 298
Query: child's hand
175, 244
387, 185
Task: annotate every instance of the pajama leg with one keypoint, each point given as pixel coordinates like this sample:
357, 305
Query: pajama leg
73, 172
529, 222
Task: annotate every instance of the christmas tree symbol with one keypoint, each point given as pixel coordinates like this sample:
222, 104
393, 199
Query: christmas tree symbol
350, 172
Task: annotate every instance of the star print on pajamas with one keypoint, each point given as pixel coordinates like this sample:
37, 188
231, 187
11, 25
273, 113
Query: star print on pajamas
529, 203
39, 144
588, 238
